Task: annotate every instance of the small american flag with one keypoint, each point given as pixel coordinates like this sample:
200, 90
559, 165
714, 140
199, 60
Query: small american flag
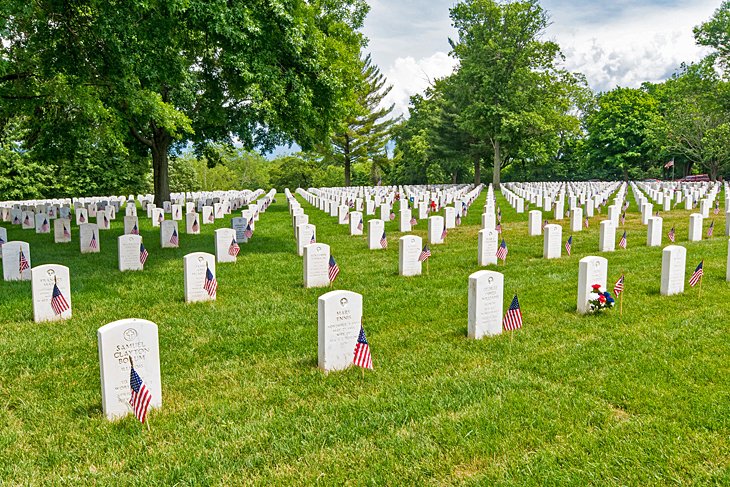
618, 288
45, 227
622, 242
23, 262
161, 218
544, 223
414, 222
93, 244
513, 319
135, 230
210, 285
458, 219
211, 218
502, 251
195, 225
626, 206
362, 351
498, 228
711, 229
312, 240
248, 233
384, 241
106, 221
657, 213
444, 232
58, 302
359, 225
425, 253
717, 207
623, 219
234, 248
27, 220
671, 235
141, 397
143, 254
66, 233
569, 244
586, 223
81, 218
334, 269
499, 213
697, 275
174, 238
392, 216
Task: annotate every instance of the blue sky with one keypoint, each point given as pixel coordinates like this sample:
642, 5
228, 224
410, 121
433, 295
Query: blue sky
614, 43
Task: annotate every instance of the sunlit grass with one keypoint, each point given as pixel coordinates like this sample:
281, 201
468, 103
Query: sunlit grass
633, 400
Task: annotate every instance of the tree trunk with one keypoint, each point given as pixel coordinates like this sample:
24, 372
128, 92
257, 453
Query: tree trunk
347, 160
454, 177
497, 164
160, 166
477, 171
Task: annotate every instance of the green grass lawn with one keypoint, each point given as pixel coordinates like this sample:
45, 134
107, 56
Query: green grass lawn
604, 400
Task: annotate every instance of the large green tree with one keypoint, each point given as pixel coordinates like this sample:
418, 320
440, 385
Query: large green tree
158, 72
507, 76
619, 142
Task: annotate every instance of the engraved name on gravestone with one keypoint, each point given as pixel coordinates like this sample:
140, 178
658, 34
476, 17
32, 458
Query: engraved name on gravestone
44, 278
117, 342
339, 320
485, 303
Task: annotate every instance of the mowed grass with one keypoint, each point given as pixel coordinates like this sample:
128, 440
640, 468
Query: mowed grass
641, 399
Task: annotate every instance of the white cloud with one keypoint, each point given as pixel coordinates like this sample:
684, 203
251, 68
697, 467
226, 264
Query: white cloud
619, 43
409, 76
632, 45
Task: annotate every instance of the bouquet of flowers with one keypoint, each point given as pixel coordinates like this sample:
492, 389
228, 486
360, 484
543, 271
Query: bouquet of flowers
599, 300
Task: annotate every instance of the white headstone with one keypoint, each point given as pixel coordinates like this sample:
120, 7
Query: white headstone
208, 215
89, 238
102, 221
45, 306
343, 214
177, 213
591, 270
239, 226
576, 219
487, 247
404, 223
654, 232
695, 227
410, 247
192, 223
14, 255
450, 217
357, 224
196, 266
130, 222
534, 224
316, 265
128, 252
607, 236
375, 233
552, 246
339, 321
3, 239
225, 243
674, 260
117, 342
306, 235
727, 273
435, 230
62, 230
28, 220
42, 223
485, 303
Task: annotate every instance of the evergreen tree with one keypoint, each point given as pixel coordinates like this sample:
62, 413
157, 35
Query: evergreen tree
365, 133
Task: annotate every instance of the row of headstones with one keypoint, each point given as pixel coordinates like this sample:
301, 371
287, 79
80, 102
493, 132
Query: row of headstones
706, 196
418, 195
132, 254
340, 317
690, 193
